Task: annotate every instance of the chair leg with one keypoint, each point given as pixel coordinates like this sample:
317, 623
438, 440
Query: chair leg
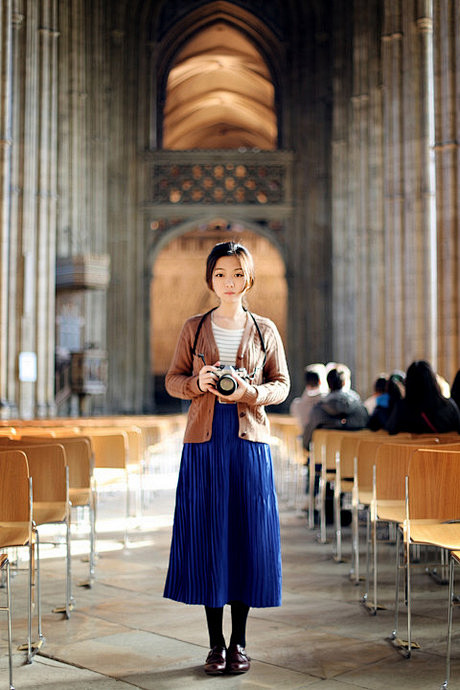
394, 633
409, 600
69, 601
6, 570
311, 492
354, 572
92, 537
368, 559
34, 585
449, 622
338, 512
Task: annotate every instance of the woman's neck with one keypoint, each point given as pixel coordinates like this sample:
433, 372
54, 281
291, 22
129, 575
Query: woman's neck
230, 316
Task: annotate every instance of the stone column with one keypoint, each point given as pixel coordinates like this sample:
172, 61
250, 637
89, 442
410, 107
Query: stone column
46, 207
392, 69
425, 205
447, 150
5, 183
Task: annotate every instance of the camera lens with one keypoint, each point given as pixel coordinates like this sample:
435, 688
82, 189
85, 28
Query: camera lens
226, 384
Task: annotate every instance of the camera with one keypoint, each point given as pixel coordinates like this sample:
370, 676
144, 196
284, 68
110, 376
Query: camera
226, 383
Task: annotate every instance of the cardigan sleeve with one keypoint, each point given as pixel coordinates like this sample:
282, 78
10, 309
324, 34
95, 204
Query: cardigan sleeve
180, 380
276, 381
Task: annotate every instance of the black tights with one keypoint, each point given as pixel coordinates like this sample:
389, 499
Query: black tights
214, 618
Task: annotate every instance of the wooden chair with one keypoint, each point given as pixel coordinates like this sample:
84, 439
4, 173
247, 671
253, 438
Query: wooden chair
51, 504
388, 499
17, 530
432, 512
287, 433
5, 567
82, 492
111, 451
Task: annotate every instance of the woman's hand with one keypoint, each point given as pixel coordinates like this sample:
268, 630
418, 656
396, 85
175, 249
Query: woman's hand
207, 377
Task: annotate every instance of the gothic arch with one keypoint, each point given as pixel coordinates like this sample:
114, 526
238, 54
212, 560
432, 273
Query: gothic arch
203, 17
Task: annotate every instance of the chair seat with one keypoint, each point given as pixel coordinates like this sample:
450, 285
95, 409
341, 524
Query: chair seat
44, 512
446, 535
14, 533
80, 497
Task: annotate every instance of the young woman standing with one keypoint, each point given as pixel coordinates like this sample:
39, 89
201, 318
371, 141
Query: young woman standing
226, 545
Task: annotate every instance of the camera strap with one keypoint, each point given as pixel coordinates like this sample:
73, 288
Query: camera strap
197, 333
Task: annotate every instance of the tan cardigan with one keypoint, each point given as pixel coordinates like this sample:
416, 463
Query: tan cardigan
269, 387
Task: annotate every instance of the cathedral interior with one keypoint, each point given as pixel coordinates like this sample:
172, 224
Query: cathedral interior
137, 133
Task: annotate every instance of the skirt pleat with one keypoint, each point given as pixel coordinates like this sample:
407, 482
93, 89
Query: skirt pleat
226, 540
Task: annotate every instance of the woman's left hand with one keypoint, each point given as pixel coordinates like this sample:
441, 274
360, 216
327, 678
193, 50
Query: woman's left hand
237, 394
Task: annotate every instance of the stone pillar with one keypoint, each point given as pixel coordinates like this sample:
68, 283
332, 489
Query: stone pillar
447, 150
6, 77
425, 201
46, 207
392, 69
356, 194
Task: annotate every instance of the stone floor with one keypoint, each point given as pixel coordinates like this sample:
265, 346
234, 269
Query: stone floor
123, 634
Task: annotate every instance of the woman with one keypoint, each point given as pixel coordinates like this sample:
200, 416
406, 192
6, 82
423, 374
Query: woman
424, 409
226, 546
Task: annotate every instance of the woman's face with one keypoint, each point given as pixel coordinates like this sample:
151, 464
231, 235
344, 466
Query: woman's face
228, 279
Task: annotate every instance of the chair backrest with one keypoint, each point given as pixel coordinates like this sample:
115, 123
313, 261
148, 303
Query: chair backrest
78, 455
318, 440
433, 485
110, 448
332, 447
392, 465
15, 505
366, 454
47, 467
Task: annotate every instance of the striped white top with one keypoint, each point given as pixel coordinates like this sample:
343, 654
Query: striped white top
228, 342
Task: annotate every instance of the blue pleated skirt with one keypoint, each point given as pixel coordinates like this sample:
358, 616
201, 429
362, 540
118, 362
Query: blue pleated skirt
226, 538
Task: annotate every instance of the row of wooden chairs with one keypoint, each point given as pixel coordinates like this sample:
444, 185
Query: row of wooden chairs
388, 478
57, 460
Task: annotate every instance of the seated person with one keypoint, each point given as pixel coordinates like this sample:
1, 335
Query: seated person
424, 409
340, 409
301, 407
385, 402
380, 386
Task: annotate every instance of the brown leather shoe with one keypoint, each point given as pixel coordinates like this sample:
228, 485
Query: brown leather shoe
237, 659
216, 661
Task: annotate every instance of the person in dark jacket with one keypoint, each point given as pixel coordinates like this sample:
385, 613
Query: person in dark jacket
340, 409
424, 409
385, 402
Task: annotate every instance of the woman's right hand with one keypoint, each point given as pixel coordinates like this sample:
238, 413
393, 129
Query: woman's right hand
206, 377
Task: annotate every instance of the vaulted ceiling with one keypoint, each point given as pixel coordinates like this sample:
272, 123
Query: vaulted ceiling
219, 94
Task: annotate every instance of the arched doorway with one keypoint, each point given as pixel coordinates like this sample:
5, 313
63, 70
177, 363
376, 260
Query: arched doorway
178, 290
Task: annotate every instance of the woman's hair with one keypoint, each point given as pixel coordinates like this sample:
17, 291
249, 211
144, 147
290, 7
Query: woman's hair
231, 249
422, 388
455, 388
